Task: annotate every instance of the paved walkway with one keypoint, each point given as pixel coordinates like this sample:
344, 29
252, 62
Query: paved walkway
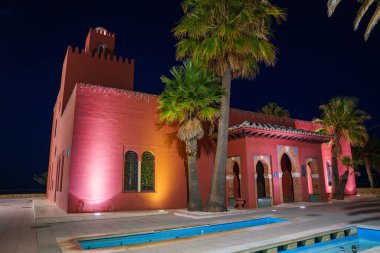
47, 212
18, 233
16, 219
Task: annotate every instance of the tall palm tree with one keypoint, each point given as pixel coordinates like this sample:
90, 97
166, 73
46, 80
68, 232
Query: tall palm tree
368, 156
275, 110
190, 98
365, 4
343, 119
230, 38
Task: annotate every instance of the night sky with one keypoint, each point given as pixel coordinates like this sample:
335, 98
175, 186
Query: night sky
319, 58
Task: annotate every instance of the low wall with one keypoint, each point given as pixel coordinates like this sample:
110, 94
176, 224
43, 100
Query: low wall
19, 196
375, 191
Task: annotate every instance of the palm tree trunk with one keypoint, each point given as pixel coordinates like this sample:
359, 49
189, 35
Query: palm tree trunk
216, 201
335, 172
369, 172
342, 185
195, 200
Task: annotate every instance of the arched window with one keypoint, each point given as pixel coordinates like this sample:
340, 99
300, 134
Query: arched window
147, 172
130, 171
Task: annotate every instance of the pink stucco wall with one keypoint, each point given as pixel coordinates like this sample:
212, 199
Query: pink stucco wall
109, 122
60, 149
326, 157
100, 124
248, 147
96, 125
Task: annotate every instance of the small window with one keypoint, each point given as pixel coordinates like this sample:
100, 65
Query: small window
147, 172
55, 128
130, 171
61, 178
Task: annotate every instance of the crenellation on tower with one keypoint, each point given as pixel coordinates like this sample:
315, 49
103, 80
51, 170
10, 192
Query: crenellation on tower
113, 58
92, 65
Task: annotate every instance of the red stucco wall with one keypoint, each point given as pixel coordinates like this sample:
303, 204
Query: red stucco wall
81, 67
248, 147
60, 148
109, 122
96, 125
105, 123
326, 155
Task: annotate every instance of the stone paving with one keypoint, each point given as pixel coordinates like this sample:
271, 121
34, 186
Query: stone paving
47, 212
18, 232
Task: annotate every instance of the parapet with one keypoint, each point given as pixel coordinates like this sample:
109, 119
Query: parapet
102, 31
105, 57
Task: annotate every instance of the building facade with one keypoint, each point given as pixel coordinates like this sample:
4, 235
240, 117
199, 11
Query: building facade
109, 153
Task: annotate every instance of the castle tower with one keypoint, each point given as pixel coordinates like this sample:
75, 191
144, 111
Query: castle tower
100, 42
95, 64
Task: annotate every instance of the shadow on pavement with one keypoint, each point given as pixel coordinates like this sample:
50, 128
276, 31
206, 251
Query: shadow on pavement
363, 207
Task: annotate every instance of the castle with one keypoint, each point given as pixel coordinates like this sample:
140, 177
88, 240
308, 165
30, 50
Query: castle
108, 152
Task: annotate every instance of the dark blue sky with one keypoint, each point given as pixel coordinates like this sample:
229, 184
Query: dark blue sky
319, 57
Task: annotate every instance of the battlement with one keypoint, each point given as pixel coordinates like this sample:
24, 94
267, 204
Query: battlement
96, 63
102, 31
107, 57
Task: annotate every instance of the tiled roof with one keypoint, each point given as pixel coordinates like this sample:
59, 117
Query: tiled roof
278, 131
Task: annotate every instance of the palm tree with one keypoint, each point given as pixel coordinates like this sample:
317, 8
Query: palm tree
190, 98
275, 110
343, 119
348, 162
365, 4
368, 156
42, 179
230, 38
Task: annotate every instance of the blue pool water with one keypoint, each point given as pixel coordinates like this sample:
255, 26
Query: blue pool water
170, 234
365, 239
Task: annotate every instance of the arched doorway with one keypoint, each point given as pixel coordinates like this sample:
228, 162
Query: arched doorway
236, 171
260, 180
287, 179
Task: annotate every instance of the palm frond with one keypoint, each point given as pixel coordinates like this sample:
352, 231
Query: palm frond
373, 22
191, 97
341, 117
331, 6
347, 161
362, 10
190, 129
275, 110
221, 34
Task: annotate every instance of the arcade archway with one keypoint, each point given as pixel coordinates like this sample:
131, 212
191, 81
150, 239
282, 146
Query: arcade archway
260, 180
263, 177
287, 179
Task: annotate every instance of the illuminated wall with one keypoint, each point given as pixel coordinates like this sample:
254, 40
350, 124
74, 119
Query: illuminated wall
109, 122
299, 152
95, 125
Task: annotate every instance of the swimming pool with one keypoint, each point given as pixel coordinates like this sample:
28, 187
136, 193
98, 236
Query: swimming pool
156, 236
365, 239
